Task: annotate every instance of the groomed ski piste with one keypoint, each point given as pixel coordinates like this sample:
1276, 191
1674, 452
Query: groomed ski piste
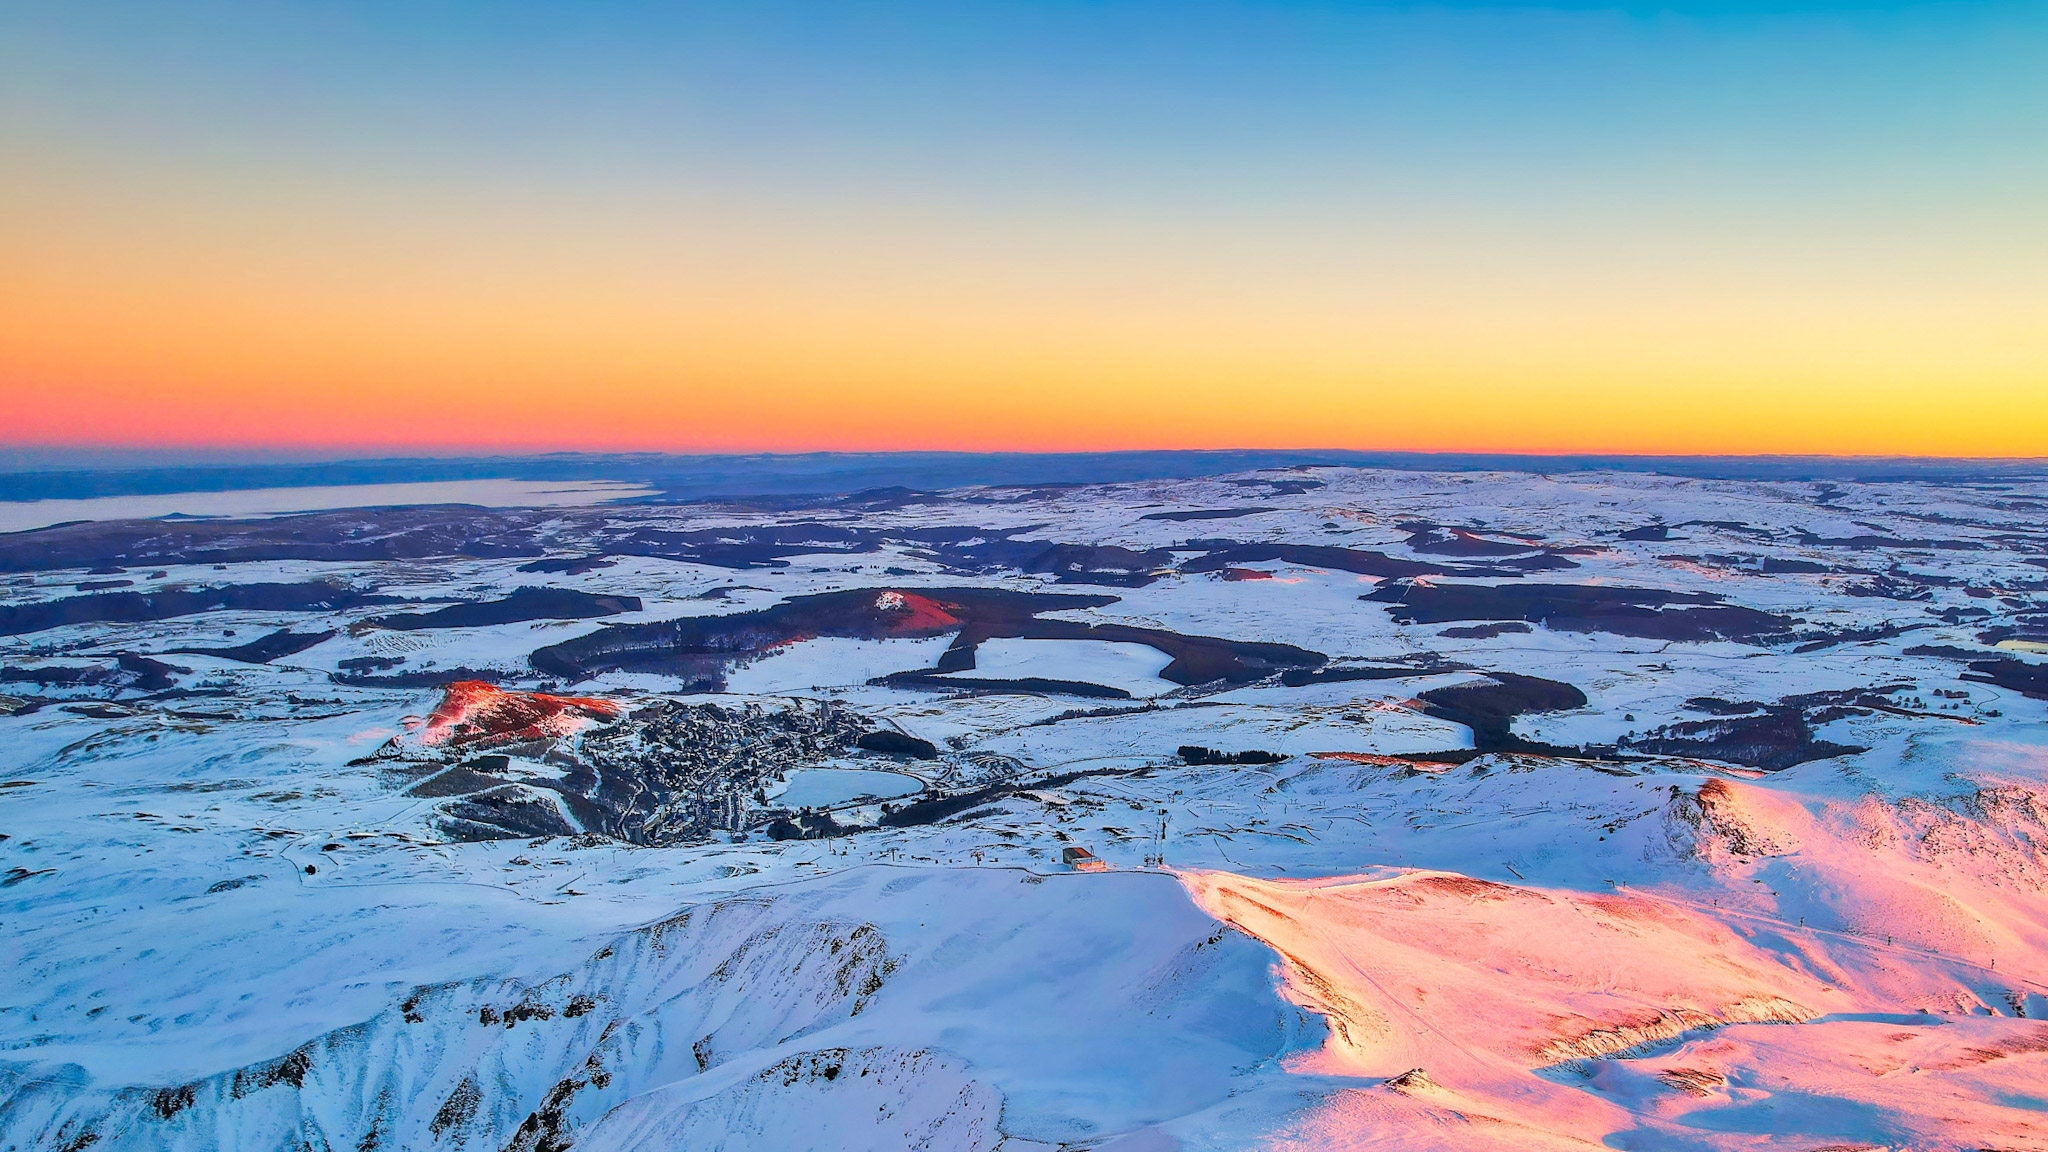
1434, 811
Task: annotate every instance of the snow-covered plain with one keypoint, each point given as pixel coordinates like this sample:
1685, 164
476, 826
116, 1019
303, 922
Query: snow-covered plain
1132, 668
1781, 886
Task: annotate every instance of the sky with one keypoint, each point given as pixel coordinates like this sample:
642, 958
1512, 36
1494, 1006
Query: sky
1688, 227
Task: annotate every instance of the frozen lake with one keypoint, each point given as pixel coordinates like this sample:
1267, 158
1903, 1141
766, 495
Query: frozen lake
818, 787
22, 515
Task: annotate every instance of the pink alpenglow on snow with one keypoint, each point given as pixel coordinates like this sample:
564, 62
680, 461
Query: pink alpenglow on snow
1821, 966
473, 712
1518, 811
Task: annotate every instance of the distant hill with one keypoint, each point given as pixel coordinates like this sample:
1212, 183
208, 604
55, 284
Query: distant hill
57, 474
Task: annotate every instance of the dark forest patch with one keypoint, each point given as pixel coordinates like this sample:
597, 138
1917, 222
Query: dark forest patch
1715, 706
1489, 709
1778, 566
700, 648
1279, 487
2015, 675
1196, 754
520, 605
65, 676
577, 540
141, 607
1300, 677
351, 535
1442, 540
262, 650
2030, 626
1889, 586
1038, 685
150, 675
892, 743
1206, 514
1771, 736
419, 533
1550, 561
887, 497
456, 781
593, 538
507, 813
1778, 737
1868, 541
1658, 532
569, 565
1107, 565
1735, 526
1761, 565
431, 678
1484, 631
1645, 612
767, 546
1221, 554
129, 672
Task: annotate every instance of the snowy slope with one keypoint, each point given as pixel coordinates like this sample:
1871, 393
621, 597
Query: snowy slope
1777, 886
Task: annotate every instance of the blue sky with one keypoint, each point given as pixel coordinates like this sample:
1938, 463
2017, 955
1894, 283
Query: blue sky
1683, 173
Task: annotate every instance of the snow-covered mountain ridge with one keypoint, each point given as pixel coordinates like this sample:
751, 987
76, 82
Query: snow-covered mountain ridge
1436, 811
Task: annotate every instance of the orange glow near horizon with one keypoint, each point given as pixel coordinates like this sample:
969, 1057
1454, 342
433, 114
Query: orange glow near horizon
1552, 269
526, 335
514, 368
818, 344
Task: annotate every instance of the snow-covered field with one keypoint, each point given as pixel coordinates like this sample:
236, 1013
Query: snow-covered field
1132, 668
832, 662
1571, 811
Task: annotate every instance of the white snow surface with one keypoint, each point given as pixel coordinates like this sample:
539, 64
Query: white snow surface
1133, 668
230, 922
832, 662
1129, 667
